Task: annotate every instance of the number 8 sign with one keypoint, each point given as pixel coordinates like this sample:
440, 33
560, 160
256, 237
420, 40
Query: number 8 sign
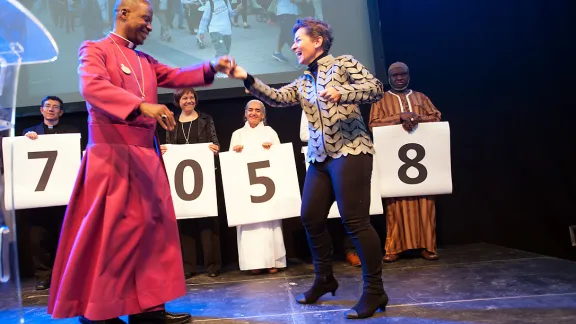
260, 185
414, 164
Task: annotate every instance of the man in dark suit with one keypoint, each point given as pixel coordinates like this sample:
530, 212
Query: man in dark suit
52, 108
45, 223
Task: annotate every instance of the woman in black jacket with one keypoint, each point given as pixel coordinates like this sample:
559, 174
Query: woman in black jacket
194, 127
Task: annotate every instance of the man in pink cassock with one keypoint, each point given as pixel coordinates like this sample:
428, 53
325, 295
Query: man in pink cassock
119, 250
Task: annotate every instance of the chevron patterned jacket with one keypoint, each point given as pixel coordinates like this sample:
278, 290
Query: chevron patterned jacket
336, 129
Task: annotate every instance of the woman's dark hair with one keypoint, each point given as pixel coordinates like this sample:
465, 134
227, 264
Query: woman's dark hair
316, 28
179, 93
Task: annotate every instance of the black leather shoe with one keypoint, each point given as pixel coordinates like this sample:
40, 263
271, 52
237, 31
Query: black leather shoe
321, 286
42, 285
116, 320
157, 317
367, 306
177, 318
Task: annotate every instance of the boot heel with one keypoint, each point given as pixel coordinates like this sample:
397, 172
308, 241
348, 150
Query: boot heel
367, 306
320, 287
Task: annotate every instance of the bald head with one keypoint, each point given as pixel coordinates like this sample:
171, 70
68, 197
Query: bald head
127, 4
133, 20
399, 76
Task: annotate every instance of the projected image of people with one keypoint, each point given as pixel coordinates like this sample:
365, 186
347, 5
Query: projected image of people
184, 32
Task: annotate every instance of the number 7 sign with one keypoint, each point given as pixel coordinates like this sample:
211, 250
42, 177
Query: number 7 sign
48, 168
44, 170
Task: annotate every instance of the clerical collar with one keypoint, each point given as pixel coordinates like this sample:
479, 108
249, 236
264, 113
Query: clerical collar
313, 67
123, 40
54, 127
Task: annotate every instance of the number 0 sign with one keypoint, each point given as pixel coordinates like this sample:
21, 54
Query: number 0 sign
190, 170
414, 164
44, 170
260, 185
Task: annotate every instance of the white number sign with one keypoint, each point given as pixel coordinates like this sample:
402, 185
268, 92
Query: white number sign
376, 207
414, 164
44, 170
190, 170
260, 185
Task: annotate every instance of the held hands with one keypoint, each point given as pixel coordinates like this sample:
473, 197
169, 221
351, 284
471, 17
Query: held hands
330, 95
31, 135
238, 73
223, 64
159, 112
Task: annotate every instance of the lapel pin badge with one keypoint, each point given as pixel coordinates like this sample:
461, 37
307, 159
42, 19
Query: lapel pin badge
125, 69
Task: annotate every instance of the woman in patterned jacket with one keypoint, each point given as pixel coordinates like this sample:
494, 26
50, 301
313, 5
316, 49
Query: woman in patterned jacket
340, 155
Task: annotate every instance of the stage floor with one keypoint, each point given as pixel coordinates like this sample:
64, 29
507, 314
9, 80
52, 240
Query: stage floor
477, 283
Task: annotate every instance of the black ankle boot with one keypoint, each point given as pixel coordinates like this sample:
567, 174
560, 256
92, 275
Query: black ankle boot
157, 317
367, 306
321, 286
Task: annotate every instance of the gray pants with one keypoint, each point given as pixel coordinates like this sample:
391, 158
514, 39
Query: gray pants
221, 43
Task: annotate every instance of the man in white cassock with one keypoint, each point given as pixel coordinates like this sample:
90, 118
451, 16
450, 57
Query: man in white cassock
260, 245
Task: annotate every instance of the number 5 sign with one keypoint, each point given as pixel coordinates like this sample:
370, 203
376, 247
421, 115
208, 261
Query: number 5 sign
44, 170
260, 185
190, 170
414, 164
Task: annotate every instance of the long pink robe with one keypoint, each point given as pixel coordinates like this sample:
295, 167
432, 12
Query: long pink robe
119, 250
